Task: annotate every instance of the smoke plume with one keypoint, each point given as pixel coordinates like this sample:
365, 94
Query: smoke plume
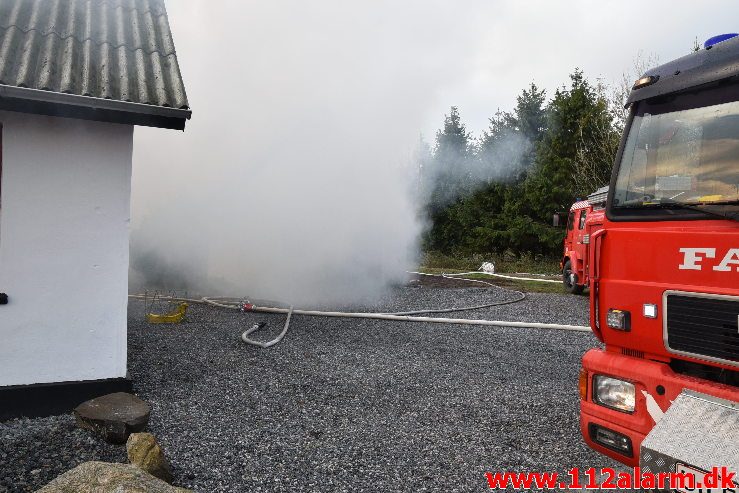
291, 181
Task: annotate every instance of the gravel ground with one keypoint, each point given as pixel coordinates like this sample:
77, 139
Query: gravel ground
340, 404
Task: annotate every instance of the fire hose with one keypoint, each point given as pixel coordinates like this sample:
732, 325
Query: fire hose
245, 335
522, 296
243, 306
503, 276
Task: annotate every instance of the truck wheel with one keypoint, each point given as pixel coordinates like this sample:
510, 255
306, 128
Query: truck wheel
569, 279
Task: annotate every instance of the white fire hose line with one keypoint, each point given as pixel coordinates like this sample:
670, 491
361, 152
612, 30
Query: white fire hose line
401, 318
503, 276
397, 317
522, 296
438, 320
245, 338
449, 276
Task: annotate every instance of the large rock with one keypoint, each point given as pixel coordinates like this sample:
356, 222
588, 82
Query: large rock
144, 452
104, 477
114, 416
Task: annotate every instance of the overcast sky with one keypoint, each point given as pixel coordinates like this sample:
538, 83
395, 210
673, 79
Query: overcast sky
305, 113
476, 54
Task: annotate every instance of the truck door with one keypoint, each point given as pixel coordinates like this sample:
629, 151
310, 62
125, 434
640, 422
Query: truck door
579, 245
569, 243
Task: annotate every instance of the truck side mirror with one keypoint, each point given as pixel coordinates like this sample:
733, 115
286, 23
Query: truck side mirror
555, 220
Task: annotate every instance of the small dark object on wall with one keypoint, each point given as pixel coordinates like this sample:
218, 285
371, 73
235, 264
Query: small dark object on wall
3, 299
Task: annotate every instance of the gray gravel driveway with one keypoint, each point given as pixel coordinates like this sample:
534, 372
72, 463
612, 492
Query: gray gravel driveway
343, 404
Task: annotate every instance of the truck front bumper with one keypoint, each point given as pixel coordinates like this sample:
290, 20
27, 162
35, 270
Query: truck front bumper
656, 387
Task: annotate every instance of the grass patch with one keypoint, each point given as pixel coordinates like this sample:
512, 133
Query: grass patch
438, 263
505, 263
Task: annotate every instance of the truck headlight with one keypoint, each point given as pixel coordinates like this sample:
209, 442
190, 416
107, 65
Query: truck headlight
614, 393
618, 319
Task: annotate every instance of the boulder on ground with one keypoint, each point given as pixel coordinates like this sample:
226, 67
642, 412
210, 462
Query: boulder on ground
144, 452
104, 477
113, 416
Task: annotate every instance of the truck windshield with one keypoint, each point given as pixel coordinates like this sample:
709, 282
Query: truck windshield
681, 155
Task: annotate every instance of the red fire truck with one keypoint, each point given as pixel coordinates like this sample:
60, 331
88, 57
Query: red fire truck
664, 267
585, 218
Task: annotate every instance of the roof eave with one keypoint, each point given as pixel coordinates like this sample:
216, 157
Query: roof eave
89, 108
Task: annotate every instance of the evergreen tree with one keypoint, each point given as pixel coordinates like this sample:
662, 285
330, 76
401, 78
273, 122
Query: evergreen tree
476, 222
530, 113
529, 164
575, 117
422, 163
508, 145
598, 144
452, 142
449, 166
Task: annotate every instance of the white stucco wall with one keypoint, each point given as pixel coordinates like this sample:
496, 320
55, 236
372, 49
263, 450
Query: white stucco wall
64, 229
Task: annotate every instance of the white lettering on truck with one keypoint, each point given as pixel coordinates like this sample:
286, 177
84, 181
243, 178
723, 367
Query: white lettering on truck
692, 258
732, 257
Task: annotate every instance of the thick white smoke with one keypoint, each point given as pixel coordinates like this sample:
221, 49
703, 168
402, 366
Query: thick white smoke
291, 181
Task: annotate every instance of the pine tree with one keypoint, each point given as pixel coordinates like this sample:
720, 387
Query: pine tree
450, 167
422, 163
530, 113
535, 161
509, 143
576, 119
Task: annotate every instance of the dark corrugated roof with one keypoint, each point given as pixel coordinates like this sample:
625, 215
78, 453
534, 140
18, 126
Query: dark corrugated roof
120, 50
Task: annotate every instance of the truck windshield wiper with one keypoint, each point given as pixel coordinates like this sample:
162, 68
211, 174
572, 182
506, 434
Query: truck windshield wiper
707, 208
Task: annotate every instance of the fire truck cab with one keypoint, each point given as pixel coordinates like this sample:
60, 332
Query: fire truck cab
584, 219
664, 268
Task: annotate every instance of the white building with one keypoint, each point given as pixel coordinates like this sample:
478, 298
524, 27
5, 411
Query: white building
75, 77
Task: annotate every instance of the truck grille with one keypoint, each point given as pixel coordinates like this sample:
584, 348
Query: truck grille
706, 326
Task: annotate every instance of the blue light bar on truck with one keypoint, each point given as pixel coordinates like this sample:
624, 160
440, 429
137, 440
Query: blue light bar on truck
718, 38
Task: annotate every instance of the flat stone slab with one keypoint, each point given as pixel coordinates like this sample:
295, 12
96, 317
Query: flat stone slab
113, 416
105, 477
